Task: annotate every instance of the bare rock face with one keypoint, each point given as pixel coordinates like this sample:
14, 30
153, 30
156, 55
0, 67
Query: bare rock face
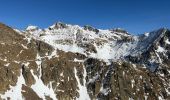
29, 79
58, 25
61, 72
43, 48
119, 30
90, 28
125, 80
36, 69
29, 94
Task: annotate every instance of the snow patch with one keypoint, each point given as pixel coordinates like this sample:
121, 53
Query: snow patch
93, 79
160, 49
26, 64
25, 47
146, 34
61, 74
159, 58
53, 54
82, 88
31, 28
133, 82
15, 91
7, 64
38, 62
41, 89
77, 60
18, 31
104, 91
167, 41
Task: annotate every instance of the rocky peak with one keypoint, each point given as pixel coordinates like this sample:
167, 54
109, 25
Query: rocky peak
90, 28
119, 30
67, 64
58, 25
154, 49
32, 28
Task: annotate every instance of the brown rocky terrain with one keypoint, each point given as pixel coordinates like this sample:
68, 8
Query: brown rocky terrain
25, 62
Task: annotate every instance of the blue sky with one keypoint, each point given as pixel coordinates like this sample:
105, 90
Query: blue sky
136, 16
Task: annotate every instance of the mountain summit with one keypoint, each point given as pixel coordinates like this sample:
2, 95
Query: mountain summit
68, 62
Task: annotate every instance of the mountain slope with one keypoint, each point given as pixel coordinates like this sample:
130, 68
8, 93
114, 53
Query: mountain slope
68, 62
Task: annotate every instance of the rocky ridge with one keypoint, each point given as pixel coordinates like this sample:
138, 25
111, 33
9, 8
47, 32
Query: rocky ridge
67, 62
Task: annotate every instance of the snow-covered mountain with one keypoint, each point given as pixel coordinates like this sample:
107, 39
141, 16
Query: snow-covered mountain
67, 62
104, 44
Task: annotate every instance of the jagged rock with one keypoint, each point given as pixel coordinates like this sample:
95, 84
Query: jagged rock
58, 25
6, 78
44, 48
87, 27
119, 30
89, 47
75, 64
29, 94
29, 79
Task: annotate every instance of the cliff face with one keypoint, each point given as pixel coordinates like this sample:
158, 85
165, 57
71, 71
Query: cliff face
68, 62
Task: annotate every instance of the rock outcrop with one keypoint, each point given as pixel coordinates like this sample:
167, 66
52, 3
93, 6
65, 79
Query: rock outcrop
70, 62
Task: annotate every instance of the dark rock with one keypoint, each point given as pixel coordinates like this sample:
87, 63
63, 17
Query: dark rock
89, 28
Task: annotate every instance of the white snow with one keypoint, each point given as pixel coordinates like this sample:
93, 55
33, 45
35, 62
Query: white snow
5, 59
28, 38
39, 87
104, 52
18, 31
146, 34
160, 49
61, 74
15, 91
140, 77
93, 79
38, 62
167, 90
131, 99
114, 48
53, 54
19, 53
159, 58
68, 39
77, 60
52, 26
58, 38
31, 28
167, 41
83, 95
7, 64
70, 48
104, 91
17, 62
160, 98
133, 82
25, 47
26, 64
146, 97
3, 43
